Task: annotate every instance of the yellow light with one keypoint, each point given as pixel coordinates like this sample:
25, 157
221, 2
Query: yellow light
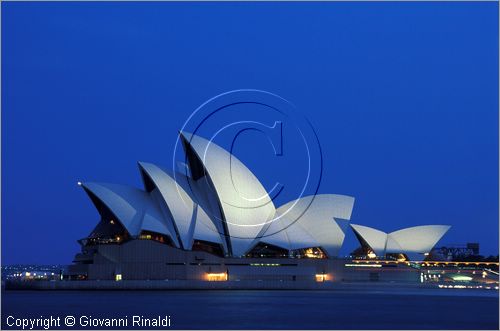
310, 253
372, 255
118, 277
321, 277
217, 277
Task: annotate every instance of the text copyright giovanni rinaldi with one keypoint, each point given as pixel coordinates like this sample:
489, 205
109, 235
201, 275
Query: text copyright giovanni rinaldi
83, 321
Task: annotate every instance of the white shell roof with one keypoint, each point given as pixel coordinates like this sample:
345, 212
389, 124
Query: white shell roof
245, 203
178, 202
285, 233
310, 222
205, 229
133, 207
228, 205
417, 239
190, 220
376, 239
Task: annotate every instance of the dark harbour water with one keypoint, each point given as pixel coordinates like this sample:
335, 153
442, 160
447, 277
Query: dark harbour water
342, 309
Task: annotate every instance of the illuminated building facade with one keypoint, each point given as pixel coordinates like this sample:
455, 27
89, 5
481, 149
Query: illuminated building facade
213, 222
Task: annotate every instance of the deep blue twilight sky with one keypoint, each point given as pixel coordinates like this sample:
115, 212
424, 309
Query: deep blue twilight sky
403, 97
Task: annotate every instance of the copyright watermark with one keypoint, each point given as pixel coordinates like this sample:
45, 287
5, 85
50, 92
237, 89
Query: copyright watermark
270, 134
87, 321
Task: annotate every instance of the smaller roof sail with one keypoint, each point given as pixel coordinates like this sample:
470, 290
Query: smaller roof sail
189, 219
179, 205
132, 207
311, 221
374, 238
285, 233
413, 240
417, 239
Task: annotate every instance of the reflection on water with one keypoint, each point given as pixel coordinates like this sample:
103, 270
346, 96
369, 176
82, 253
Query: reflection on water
340, 309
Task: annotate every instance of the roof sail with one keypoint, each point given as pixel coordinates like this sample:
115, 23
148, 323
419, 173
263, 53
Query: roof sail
239, 201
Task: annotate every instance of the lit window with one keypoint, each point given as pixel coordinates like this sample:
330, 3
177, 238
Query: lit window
217, 277
321, 277
312, 253
461, 278
118, 277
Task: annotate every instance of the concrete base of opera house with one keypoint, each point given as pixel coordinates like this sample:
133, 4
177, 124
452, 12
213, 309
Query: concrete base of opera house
146, 264
147, 260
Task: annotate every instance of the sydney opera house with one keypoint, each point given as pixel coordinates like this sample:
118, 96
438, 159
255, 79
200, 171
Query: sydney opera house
214, 221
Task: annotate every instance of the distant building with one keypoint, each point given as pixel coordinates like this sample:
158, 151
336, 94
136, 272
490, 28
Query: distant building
456, 252
31, 272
